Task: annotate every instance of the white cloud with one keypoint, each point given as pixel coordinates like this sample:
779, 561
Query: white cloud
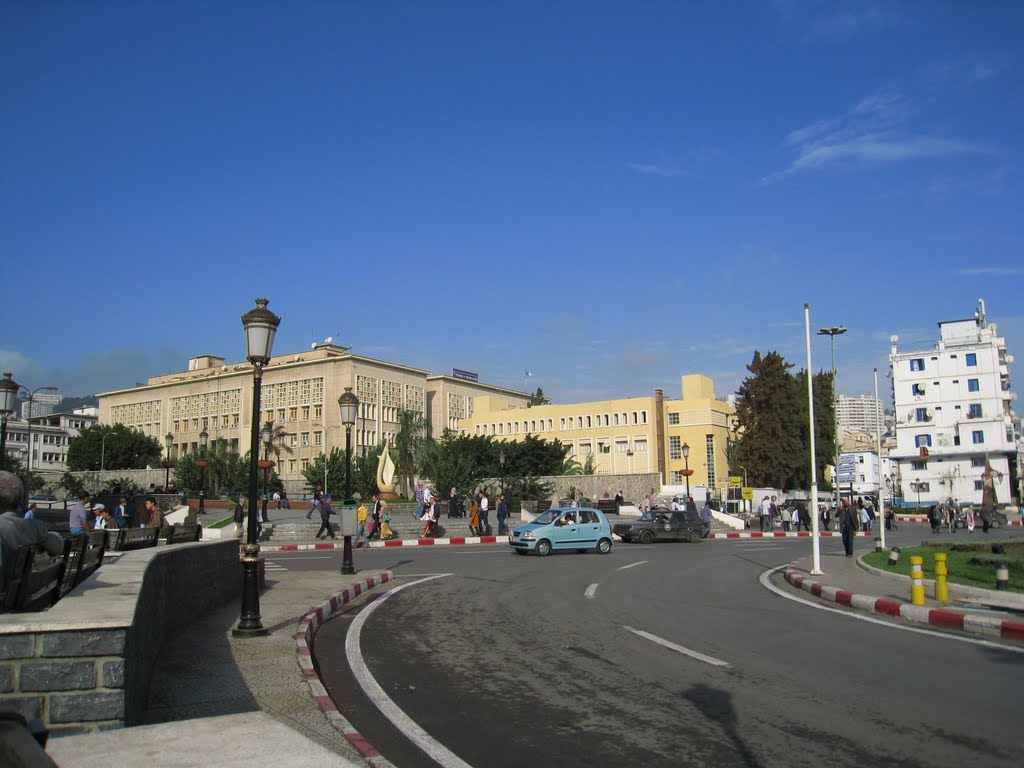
651, 169
991, 271
871, 134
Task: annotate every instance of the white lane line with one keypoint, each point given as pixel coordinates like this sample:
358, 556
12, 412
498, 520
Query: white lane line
765, 580
679, 649
591, 591
480, 552
412, 731
753, 549
631, 565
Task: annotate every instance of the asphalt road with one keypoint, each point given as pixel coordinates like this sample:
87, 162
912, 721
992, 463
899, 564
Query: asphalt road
671, 654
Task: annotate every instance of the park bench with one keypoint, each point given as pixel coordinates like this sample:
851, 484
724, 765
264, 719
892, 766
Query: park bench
180, 534
83, 555
543, 505
135, 538
36, 579
606, 505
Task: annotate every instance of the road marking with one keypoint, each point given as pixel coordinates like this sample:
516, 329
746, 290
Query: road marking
765, 580
479, 552
679, 649
631, 565
412, 731
591, 591
752, 549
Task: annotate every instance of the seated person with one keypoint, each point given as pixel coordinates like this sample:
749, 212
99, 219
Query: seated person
569, 518
16, 531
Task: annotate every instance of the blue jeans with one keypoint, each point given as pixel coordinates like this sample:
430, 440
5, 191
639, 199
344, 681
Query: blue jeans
361, 534
502, 528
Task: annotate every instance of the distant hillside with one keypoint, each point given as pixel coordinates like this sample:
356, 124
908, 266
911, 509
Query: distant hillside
70, 403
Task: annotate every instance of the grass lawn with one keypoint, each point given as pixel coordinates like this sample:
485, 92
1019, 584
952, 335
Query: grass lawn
222, 523
972, 565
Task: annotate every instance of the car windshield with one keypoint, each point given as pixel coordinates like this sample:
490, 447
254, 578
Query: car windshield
546, 518
651, 517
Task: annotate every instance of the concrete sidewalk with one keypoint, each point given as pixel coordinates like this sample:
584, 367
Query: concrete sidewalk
220, 700
852, 583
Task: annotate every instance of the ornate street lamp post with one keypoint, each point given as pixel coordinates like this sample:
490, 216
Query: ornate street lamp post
260, 326
835, 330
501, 463
687, 472
204, 439
266, 435
28, 421
168, 442
8, 400
349, 405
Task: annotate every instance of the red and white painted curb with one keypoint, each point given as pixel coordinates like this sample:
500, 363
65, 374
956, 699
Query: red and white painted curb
308, 626
990, 626
502, 540
924, 519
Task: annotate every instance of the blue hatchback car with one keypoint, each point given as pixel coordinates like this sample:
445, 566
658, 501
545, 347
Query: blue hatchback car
565, 528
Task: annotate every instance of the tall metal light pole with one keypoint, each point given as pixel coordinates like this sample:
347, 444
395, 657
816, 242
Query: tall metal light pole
349, 405
266, 434
168, 442
832, 332
878, 447
204, 439
813, 511
260, 326
743, 502
8, 400
31, 395
687, 472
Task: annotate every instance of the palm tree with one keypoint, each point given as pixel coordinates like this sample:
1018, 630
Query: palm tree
409, 437
279, 440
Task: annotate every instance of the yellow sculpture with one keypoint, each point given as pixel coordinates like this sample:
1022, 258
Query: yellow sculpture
386, 473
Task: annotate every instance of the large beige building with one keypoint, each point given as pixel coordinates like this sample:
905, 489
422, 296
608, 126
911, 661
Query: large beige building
627, 435
300, 391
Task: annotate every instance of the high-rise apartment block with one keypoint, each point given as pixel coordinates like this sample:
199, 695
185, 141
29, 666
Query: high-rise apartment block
954, 416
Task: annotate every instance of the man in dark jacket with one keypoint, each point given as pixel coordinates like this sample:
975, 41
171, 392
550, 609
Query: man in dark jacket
848, 525
325, 518
16, 531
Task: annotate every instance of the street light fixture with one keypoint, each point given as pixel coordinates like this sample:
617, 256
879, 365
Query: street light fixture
204, 439
348, 403
260, 326
8, 400
687, 472
168, 442
832, 332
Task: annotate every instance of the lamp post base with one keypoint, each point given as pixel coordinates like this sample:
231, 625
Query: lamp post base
249, 624
347, 566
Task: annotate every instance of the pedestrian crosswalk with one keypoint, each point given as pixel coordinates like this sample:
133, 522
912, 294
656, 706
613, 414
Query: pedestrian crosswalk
270, 565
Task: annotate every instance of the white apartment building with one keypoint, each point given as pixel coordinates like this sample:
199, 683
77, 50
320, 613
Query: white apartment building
43, 403
50, 435
860, 413
953, 414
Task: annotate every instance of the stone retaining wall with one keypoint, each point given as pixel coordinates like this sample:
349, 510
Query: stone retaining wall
86, 663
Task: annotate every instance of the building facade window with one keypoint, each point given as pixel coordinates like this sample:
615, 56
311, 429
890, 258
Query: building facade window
979, 485
971, 359
974, 411
675, 447
978, 437
921, 414
920, 466
978, 462
923, 441
673, 419
917, 364
973, 385
709, 441
676, 478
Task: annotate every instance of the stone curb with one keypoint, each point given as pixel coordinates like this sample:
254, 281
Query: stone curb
940, 617
923, 519
308, 626
460, 540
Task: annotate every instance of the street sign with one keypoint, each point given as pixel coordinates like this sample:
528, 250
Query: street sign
735, 482
748, 494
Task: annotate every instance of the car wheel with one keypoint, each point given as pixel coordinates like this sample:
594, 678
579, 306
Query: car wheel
647, 537
696, 537
543, 548
604, 546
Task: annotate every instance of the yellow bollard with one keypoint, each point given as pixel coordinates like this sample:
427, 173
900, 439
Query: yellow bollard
941, 587
916, 580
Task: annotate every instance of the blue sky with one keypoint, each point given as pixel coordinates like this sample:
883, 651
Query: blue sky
608, 194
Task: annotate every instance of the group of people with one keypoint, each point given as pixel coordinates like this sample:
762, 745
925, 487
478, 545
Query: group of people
950, 513
85, 516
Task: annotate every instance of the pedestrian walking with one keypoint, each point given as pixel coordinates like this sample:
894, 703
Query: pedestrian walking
764, 513
787, 518
361, 515
315, 506
453, 504
502, 514
848, 526
474, 518
485, 524
325, 518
